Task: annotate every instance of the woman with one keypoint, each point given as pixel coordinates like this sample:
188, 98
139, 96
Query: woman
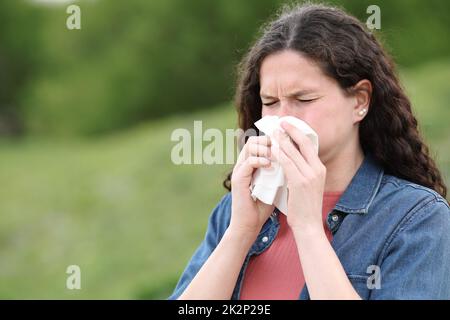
367, 217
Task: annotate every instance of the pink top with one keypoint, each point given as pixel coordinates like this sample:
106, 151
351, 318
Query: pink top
276, 274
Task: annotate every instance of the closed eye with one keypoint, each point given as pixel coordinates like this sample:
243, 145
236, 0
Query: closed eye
300, 100
270, 103
306, 100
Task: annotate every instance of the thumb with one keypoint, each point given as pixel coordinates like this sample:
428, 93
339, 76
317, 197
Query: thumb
265, 209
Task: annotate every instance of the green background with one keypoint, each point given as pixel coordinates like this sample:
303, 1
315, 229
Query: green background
86, 118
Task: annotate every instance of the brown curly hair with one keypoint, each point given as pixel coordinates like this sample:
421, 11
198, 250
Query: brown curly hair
347, 52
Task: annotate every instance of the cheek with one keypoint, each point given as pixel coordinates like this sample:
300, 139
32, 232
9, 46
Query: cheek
331, 121
269, 111
265, 112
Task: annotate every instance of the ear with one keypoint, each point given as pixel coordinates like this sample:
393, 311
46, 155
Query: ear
362, 92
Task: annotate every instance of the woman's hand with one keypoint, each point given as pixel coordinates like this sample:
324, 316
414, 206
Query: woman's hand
247, 215
305, 175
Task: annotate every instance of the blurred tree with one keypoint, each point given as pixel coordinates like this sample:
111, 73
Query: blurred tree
138, 60
18, 59
415, 31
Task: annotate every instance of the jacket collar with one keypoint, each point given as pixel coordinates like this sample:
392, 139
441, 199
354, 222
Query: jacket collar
363, 187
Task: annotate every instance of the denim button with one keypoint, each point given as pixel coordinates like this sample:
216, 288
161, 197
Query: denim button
265, 239
335, 217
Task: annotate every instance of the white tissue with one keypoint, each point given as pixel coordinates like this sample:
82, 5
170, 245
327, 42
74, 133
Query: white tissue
269, 184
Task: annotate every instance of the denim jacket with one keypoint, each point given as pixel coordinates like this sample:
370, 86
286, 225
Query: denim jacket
391, 236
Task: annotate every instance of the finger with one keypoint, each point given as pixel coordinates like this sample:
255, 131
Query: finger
244, 154
305, 145
291, 172
245, 171
258, 150
264, 140
287, 145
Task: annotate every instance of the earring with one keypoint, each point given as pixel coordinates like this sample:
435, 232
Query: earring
361, 112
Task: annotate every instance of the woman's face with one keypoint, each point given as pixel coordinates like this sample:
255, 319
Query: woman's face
294, 85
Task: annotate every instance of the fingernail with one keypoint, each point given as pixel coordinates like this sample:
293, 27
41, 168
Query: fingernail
277, 133
282, 134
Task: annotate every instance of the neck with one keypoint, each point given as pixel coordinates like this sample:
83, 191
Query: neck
341, 168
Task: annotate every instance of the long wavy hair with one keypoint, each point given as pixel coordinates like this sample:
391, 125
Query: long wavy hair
343, 48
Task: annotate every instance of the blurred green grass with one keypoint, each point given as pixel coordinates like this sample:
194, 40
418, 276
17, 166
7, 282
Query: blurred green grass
121, 210
117, 207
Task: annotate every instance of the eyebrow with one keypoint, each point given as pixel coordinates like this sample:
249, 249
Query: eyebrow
294, 94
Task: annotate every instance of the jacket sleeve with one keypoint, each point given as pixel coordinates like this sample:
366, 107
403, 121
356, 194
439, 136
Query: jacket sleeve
217, 224
416, 260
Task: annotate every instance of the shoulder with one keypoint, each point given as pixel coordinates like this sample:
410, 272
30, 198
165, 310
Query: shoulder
409, 204
403, 191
